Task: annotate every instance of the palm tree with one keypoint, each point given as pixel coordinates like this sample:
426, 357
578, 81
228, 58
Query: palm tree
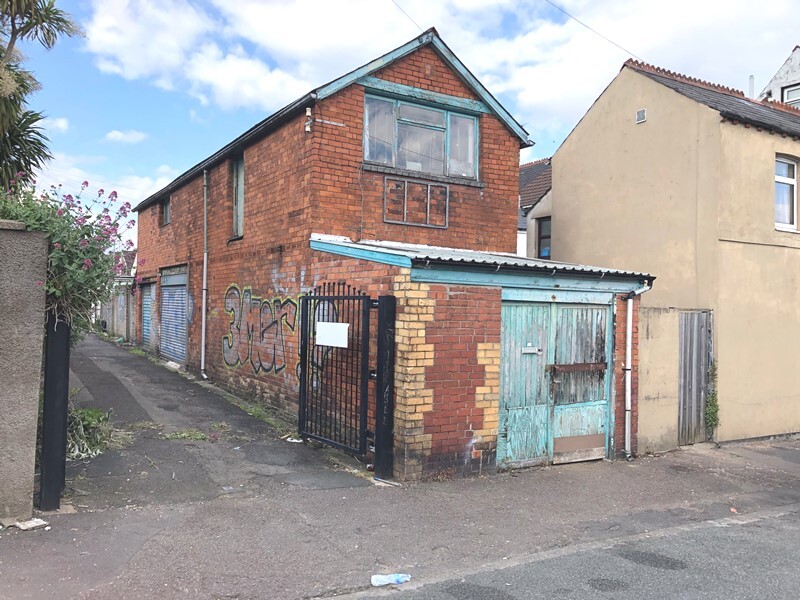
23, 145
23, 148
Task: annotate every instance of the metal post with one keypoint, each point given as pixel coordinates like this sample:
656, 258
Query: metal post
54, 417
304, 351
384, 414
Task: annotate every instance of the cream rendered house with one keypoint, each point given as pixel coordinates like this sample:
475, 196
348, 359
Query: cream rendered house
697, 184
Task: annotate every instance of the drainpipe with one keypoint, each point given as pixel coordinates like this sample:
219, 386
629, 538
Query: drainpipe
205, 277
628, 361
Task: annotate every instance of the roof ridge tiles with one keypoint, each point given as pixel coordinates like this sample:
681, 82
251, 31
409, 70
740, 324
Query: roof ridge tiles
643, 66
537, 161
777, 104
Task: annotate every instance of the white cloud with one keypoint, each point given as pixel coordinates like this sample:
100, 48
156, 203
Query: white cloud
234, 80
131, 136
145, 38
56, 124
545, 67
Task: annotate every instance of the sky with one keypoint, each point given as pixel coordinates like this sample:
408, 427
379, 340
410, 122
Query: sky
156, 86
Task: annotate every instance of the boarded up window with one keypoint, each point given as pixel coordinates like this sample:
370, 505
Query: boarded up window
418, 203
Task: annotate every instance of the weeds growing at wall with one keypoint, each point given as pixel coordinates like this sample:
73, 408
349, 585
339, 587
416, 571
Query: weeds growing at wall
89, 433
712, 402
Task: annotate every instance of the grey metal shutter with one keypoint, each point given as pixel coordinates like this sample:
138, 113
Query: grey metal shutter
147, 307
173, 322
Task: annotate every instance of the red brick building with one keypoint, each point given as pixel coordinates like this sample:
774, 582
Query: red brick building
397, 179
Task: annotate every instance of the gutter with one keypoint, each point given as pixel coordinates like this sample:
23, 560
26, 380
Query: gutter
257, 131
628, 360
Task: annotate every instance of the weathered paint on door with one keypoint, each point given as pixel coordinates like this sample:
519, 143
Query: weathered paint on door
524, 412
555, 383
580, 382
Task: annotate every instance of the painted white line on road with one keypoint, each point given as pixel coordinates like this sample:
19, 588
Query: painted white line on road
606, 544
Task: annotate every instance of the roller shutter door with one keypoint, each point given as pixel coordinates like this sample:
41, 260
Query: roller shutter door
173, 317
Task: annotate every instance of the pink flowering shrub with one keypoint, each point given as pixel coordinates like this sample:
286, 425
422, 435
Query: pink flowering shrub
85, 243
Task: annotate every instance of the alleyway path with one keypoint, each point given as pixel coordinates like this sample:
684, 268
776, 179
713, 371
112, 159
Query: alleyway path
252, 516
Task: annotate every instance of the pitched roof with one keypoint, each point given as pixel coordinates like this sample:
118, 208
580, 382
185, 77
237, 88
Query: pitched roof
258, 131
535, 180
731, 104
423, 255
522, 222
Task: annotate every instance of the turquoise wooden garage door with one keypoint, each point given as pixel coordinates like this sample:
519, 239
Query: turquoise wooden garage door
555, 384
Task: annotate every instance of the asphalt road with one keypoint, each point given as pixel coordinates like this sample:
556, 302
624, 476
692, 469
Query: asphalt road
736, 558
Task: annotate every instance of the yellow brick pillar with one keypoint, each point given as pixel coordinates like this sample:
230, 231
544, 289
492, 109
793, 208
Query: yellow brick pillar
413, 398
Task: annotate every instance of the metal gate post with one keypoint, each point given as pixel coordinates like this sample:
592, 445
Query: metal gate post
384, 410
304, 335
54, 414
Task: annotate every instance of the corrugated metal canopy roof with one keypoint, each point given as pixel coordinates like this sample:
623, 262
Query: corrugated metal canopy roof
422, 254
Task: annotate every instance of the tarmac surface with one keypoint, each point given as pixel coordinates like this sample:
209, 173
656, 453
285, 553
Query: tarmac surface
245, 514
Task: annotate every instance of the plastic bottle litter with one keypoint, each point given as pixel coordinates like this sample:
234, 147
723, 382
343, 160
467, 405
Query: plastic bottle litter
392, 579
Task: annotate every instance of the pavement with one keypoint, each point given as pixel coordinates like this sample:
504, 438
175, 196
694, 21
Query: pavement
245, 514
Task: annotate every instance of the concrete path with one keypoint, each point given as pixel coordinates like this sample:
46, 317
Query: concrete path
252, 516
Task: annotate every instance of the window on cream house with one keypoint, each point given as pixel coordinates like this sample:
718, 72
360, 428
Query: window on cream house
785, 194
238, 196
420, 138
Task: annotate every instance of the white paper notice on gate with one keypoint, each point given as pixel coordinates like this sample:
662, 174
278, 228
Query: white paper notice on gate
332, 334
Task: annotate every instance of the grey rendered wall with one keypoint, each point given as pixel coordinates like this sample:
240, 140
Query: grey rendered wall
23, 266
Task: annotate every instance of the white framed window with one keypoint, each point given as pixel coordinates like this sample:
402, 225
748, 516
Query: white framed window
238, 195
420, 138
785, 193
791, 95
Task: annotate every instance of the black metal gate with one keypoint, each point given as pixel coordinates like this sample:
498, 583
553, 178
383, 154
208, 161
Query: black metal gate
335, 371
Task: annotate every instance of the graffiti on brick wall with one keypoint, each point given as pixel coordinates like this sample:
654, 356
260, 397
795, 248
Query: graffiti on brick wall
258, 330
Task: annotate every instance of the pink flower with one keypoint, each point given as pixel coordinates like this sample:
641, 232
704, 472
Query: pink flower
113, 195
138, 279
84, 243
142, 261
87, 264
57, 246
132, 222
129, 244
100, 192
40, 283
60, 212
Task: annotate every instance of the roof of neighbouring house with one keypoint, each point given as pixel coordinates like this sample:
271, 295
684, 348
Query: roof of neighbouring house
731, 104
428, 38
419, 254
535, 180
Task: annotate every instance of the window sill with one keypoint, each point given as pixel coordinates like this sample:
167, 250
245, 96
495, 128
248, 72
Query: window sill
786, 229
235, 238
162, 225
375, 168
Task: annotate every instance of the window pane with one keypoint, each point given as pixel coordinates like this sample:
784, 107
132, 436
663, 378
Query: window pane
238, 196
784, 203
379, 131
791, 95
420, 149
462, 146
544, 226
784, 169
422, 115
